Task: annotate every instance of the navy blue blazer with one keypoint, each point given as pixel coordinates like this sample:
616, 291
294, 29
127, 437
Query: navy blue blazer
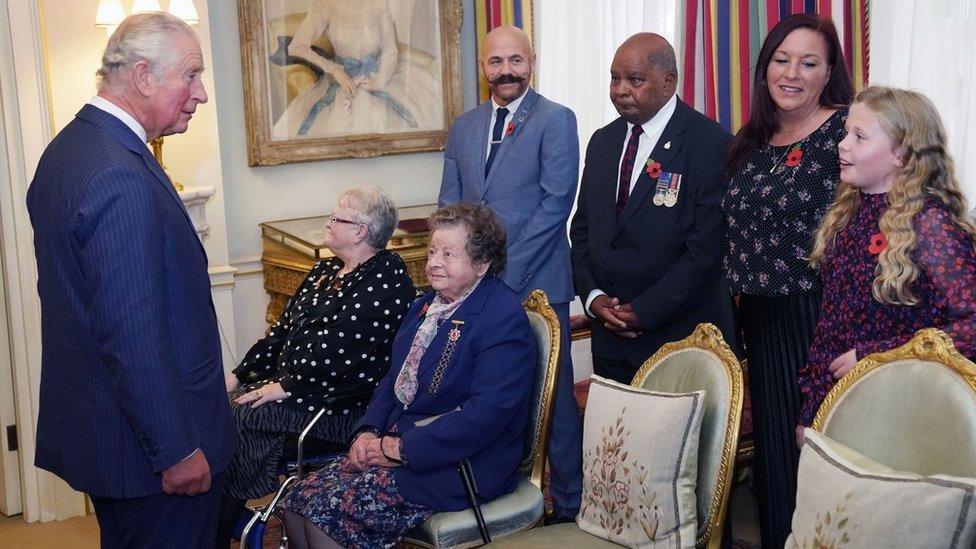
131, 375
483, 394
531, 187
666, 262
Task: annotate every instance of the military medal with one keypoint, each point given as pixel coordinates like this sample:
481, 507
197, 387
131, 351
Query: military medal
663, 182
672, 197
455, 333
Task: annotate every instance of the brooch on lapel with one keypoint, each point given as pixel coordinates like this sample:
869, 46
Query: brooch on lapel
423, 310
452, 338
667, 188
509, 129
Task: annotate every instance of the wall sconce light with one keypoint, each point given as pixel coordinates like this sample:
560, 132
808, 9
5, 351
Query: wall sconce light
110, 14
140, 6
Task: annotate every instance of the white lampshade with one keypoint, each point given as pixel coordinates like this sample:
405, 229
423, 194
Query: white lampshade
185, 10
140, 6
110, 13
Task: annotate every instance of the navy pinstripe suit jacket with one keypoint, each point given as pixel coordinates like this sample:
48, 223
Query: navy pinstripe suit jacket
131, 377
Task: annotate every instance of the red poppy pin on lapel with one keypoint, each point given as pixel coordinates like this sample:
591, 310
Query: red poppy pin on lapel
794, 157
653, 169
509, 129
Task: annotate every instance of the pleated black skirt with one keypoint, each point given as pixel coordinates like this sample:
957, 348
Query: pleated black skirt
777, 332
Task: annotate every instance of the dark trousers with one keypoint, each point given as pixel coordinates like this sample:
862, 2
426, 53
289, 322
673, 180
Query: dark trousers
777, 333
566, 432
160, 520
617, 369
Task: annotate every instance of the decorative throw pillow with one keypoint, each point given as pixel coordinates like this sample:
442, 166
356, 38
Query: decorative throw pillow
640, 465
847, 500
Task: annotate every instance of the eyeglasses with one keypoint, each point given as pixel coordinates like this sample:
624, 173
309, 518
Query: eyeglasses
334, 219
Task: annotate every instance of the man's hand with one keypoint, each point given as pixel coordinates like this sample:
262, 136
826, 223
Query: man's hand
188, 477
625, 312
843, 364
231, 381
602, 308
358, 451
265, 394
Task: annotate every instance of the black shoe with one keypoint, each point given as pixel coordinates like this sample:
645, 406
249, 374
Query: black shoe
552, 519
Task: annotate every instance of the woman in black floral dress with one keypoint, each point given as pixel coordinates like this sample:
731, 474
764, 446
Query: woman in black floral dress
896, 250
783, 171
331, 346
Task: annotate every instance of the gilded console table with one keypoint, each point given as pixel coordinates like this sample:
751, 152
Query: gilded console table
293, 246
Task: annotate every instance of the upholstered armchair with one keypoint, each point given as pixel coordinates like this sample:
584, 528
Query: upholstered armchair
700, 362
912, 408
522, 509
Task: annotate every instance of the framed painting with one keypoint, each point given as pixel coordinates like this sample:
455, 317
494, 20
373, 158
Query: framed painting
348, 78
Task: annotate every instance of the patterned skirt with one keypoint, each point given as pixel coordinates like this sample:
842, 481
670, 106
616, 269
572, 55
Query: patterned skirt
356, 508
261, 433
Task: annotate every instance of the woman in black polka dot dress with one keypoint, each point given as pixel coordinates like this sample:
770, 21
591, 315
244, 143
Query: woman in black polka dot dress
331, 346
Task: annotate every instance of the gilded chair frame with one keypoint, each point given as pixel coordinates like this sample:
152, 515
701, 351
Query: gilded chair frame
708, 337
928, 344
538, 302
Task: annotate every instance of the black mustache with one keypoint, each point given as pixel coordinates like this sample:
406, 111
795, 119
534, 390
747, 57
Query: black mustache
507, 79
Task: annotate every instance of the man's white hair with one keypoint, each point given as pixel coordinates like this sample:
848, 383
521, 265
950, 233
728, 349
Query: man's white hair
142, 36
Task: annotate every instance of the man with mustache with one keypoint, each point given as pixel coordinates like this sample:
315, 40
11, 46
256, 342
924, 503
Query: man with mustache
133, 407
519, 154
647, 235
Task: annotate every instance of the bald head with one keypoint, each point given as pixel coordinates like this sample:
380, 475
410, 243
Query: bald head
643, 76
506, 61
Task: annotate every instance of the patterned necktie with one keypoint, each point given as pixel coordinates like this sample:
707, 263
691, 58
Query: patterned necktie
627, 168
496, 136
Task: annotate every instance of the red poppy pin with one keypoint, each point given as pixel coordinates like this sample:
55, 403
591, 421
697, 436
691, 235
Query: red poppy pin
653, 169
423, 310
793, 159
879, 243
509, 129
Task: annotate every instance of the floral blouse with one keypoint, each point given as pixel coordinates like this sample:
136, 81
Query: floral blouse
850, 318
773, 207
335, 335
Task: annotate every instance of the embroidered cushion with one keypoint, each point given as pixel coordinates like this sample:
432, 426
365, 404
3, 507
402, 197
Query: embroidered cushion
640, 465
845, 499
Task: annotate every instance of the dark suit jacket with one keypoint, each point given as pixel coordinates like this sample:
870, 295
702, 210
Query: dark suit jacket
667, 262
489, 377
131, 377
531, 187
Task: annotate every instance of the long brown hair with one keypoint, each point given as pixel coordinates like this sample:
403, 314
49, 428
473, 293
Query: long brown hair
914, 126
763, 120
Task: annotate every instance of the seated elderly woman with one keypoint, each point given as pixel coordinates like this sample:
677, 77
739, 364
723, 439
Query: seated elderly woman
458, 388
331, 346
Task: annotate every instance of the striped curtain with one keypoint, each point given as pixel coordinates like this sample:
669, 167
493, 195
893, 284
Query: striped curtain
720, 41
493, 13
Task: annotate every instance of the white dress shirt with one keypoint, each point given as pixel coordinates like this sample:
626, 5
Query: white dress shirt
653, 129
116, 111
512, 107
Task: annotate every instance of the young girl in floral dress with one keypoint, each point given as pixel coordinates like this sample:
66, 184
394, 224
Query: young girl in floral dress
896, 250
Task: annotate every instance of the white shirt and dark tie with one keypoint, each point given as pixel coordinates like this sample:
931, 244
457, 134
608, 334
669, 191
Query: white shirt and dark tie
501, 117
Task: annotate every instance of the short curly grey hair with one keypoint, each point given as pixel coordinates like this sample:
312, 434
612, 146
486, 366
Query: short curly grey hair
486, 234
142, 36
375, 209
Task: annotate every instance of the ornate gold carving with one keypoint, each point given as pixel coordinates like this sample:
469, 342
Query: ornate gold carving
928, 344
538, 302
708, 337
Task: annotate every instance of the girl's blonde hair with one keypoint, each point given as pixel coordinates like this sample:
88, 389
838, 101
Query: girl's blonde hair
914, 126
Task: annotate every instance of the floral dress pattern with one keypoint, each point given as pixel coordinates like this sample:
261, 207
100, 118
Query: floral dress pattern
773, 207
850, 317
372, 511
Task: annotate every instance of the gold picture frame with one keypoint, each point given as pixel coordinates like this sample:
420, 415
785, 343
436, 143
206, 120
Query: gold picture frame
296, 111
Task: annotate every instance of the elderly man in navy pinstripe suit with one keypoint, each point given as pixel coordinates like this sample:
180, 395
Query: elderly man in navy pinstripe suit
133, 409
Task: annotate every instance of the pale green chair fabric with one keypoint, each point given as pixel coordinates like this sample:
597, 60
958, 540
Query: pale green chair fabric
912, 409
702, 361
523, 508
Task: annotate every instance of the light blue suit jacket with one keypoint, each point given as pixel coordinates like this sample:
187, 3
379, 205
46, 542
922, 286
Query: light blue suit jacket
531, 187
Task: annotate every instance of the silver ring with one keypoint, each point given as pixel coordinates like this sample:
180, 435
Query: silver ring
258, 392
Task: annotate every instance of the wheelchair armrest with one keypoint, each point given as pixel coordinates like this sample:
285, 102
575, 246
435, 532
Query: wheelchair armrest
301, 439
